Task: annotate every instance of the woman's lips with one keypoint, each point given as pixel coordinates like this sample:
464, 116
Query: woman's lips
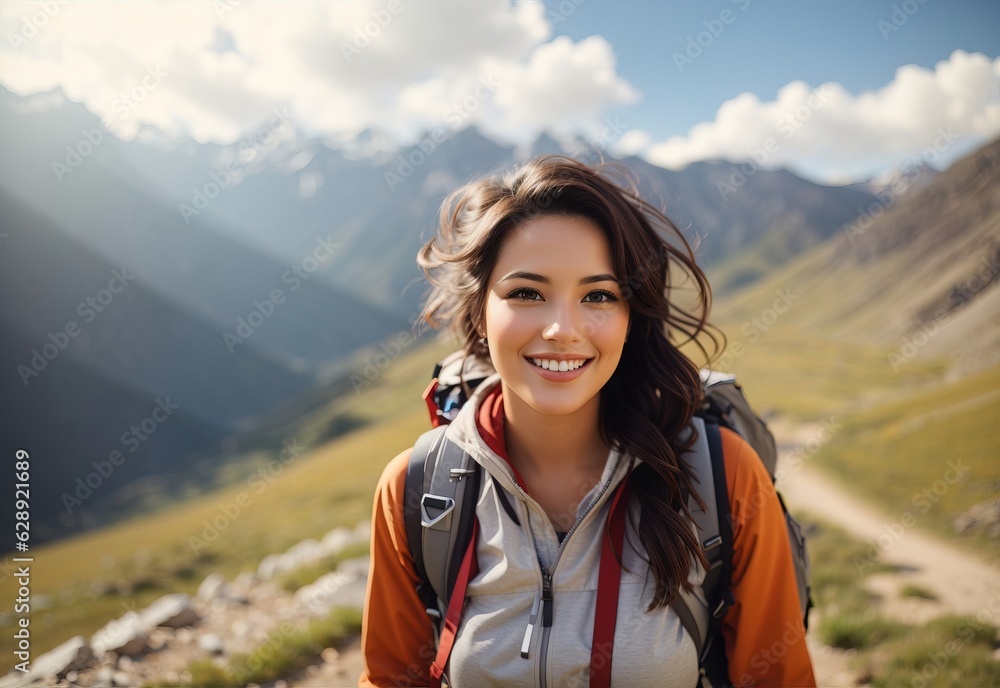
557, 375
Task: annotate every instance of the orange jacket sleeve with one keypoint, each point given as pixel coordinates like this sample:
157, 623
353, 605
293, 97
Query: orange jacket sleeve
764, 633
397, 638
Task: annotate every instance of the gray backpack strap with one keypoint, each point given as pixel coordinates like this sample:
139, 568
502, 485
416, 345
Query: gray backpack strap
694, 616
692, 609
441, 494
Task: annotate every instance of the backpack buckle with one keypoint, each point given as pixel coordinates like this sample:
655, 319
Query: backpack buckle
443, 505
713, 551
725, 602
459, 473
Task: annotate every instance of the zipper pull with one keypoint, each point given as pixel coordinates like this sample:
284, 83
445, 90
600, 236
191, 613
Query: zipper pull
532, 618
546, 599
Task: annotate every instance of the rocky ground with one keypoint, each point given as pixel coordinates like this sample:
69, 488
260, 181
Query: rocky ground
223, 619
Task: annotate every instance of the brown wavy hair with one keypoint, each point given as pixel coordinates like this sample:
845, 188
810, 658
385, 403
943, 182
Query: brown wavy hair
650, 398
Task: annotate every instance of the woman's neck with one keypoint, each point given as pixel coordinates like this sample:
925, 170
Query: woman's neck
543, 445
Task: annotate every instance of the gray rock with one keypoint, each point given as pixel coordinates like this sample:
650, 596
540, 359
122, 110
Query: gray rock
244, 582
124, 636
122, 678
268, 567
303, 554
211, 643
336, 589
73, 655
172, 611
983, 515
212, 587
240, 628
336, 540
359, 565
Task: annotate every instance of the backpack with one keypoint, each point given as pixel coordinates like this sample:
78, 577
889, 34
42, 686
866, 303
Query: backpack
442, 484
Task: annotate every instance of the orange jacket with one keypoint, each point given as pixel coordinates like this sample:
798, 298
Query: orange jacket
764, 634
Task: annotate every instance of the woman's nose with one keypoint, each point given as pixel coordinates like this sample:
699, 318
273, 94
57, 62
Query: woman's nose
562, 327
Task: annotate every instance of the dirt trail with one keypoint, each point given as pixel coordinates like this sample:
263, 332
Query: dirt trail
963, 583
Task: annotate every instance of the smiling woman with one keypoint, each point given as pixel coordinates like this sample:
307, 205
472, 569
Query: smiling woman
554, 314
565, 281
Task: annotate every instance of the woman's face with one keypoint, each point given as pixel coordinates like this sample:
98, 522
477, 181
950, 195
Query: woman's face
555, 317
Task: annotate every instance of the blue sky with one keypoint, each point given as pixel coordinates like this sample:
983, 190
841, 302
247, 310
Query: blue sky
868, 85
770, 44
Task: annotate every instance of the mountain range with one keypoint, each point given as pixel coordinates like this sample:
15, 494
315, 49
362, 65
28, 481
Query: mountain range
235, 279
915, 273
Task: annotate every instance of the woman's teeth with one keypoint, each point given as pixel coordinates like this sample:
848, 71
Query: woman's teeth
558, 366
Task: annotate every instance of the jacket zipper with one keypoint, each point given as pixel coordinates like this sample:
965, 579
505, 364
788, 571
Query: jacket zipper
543, 604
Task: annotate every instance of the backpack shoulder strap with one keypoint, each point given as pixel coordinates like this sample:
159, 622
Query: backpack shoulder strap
715, 664
701, 611
442, 487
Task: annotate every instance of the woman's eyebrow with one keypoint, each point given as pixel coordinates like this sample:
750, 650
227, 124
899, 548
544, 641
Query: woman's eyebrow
534, 277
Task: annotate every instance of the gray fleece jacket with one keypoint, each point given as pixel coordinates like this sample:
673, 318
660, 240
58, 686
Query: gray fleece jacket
650, 649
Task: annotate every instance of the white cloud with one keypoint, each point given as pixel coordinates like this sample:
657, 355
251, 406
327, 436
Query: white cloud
632, 142
394, 66
921, 114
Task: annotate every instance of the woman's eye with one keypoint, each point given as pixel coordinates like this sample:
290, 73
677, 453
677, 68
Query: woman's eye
525, 294
600, 296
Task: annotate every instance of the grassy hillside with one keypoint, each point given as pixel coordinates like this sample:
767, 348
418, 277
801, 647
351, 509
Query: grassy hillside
90, 579
931, 454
